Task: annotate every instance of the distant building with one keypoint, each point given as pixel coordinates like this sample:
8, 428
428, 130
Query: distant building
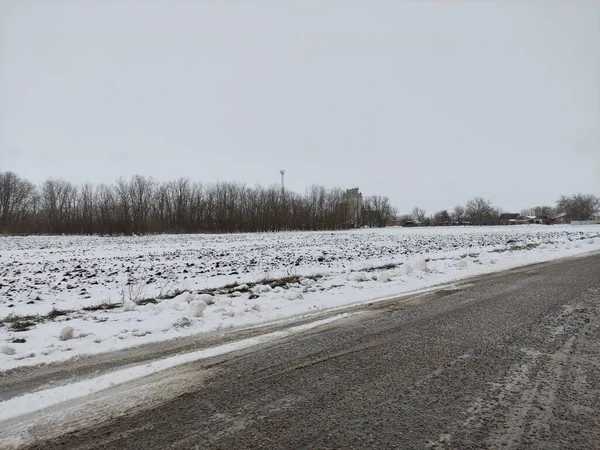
354, 201
561, 218
509, 218
542, 220
394, 223
523, 220
591, 221
411, 223
519, 219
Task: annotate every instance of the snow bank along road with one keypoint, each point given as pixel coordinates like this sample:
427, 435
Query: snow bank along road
509, 360
63, 297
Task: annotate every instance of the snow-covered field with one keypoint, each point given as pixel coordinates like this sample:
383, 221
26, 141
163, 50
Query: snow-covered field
65, 296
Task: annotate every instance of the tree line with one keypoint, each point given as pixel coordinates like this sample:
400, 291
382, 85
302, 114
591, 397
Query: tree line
479, 211
142, 205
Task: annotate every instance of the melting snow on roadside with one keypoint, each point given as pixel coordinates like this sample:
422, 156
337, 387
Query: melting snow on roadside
35, 401
65, 296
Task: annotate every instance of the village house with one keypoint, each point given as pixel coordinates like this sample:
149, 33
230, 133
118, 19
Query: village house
520, 219
508, 218
561, 219
524, 220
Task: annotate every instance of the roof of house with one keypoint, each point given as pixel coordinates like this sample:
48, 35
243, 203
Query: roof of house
509, 216
521, 217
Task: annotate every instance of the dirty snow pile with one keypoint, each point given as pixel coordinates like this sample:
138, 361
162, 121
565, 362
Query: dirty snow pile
70, 295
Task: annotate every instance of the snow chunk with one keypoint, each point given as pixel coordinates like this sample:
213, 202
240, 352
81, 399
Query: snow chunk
176, 303
360, 277
264, 288
140, 333
206, 298
293, 296
405, 269
224, 302
184, 297
182, 322
66, 333
197, 308
306, 281
421, 265
486, 259
384, 277
129, 306
149, 308
7, 350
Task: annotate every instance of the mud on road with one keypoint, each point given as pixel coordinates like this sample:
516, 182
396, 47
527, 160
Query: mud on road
506, 361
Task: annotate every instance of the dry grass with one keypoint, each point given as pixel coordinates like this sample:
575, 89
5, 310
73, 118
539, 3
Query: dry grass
389, 266
246, 287
54, 313
17, 322
146, 301
104, 306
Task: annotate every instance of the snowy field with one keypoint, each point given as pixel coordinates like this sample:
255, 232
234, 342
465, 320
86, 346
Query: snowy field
65, 296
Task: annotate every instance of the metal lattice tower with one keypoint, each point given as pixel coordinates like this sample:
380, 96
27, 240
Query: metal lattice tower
282, 172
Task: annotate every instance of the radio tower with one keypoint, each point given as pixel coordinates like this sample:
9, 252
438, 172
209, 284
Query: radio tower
282, 172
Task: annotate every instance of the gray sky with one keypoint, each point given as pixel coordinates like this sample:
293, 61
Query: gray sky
430, 103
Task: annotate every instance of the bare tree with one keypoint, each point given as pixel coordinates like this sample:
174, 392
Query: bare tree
481, 211
86, 209
162, 214
106, 210
539, 211
377, 211
16, 196
123, 203
419, 214
141, 190
579, 206
441, 218
58, 201
459, 214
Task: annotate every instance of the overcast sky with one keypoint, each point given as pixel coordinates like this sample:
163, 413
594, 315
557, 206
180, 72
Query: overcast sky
429, 103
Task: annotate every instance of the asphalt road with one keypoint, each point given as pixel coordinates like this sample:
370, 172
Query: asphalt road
510, 361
